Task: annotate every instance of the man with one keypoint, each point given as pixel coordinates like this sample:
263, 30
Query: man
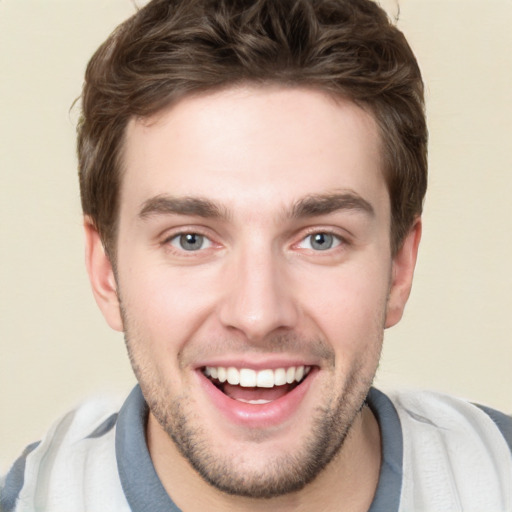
252, 177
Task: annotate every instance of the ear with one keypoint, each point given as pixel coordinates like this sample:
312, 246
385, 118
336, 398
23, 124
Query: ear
402, 270
101, 276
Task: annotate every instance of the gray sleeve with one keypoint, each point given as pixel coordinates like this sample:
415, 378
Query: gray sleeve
11, 487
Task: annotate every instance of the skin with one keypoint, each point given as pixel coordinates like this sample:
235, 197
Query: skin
271, 167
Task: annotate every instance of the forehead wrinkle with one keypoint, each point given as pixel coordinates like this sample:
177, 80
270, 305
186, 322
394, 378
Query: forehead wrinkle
187, 205
323, 204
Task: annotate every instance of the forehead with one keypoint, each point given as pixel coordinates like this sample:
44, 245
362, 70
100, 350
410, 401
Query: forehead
252, 146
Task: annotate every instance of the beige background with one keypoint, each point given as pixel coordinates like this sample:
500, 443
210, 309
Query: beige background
55, 348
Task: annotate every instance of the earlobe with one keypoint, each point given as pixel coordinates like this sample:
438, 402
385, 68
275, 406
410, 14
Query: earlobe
404, 263
101, 276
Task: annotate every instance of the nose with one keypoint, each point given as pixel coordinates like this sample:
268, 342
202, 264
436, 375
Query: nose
258, 295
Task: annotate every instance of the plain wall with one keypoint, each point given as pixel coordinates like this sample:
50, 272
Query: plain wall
56, 350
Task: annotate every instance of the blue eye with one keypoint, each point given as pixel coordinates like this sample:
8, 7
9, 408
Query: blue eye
190, 242
320, 241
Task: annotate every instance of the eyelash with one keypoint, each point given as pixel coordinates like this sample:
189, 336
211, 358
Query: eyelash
196, 235
167, 241
338, 241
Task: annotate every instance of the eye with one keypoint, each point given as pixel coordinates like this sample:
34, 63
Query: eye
190, 242
320, 241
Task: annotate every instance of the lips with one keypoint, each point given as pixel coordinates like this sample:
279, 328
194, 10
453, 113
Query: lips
246, 392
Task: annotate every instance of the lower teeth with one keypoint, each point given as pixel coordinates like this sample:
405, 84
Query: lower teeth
253, 402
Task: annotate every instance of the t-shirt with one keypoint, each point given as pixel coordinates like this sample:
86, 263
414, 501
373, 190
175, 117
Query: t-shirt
439, 454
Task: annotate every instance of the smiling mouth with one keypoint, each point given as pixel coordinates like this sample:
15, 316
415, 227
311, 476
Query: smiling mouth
257, 387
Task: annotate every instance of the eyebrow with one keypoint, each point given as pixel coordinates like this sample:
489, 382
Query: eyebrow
324, 204
310, 206
194, 206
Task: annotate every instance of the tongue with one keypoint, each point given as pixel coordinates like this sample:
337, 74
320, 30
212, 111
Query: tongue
246, 394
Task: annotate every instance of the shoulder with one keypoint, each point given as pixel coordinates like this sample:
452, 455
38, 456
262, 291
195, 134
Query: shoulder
449, 413
457, 453
76, 455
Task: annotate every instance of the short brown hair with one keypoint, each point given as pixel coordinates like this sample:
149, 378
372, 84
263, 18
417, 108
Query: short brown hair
171, 48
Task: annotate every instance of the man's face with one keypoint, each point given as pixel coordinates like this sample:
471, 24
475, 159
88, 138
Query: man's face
254, 246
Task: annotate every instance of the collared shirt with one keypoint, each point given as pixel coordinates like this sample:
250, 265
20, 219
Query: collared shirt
438, 453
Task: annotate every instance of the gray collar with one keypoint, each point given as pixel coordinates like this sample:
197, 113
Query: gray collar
145, 492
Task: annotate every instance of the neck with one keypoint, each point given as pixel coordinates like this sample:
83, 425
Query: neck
350, 479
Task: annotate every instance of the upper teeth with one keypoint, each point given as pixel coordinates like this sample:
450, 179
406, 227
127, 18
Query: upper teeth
248, 378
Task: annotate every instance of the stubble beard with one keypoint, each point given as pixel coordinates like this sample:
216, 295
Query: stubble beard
282, 474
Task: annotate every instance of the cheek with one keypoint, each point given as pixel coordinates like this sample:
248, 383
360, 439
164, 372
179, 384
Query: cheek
348, 304
165, 304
